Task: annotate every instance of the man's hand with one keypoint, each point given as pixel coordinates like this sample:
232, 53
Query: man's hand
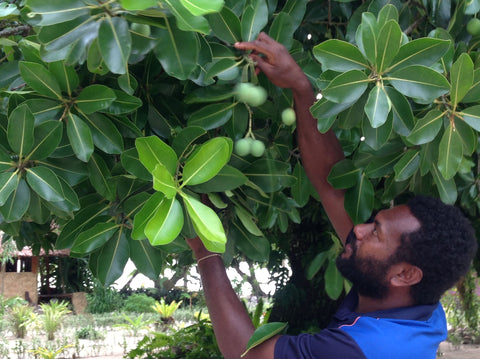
276, 63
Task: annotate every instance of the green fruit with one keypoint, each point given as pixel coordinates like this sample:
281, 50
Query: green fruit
257, 148
473, 26
251, 94
229, 74
142, 29
288, 116
243, 146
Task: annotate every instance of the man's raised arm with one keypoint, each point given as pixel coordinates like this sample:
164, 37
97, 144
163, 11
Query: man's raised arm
319, 151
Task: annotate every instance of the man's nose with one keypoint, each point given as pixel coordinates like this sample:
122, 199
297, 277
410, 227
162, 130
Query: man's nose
361, 230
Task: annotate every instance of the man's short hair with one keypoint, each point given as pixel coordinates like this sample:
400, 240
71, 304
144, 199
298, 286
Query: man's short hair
443, 247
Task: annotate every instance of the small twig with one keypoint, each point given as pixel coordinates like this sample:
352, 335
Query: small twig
412, 27
23, 30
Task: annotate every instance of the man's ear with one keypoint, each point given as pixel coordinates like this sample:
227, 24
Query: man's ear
405, 274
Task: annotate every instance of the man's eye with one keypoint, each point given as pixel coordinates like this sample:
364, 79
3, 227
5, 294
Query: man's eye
374, 231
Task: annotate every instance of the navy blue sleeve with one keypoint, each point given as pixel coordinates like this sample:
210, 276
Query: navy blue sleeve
328, 344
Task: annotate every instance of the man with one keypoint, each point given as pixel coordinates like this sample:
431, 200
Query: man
400, 263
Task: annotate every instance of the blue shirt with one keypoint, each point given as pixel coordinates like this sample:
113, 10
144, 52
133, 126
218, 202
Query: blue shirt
400, 333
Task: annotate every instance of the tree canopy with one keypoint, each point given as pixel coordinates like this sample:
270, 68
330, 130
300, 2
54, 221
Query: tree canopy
117, 117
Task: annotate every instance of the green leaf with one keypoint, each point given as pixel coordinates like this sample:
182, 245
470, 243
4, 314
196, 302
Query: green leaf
471, 115
333, 281
123, 103
80, 137
138, 4
47, 137
468, 136
5, 161
206, 223
447, 189
378, 106
147, 259
426, 128
8, 184
145, 214
254, 19
450, 152
17, 204
382, 166
45, 183
100, 177
359, 200
302, 188
40, 79
152, 150
109, 262
212, 116
115, 43
263, 333
45, 110
163, 181
369, 30
254, 247
52, 12
185, 138
104, 133
339, 56
177, 51
473, 94
8, 10
388, 44
132, 164
316, 264
186, 21
324, 109
270, 175
282, 29
347, 87
94, 237
376, 138
248, 221
95, 98
66, 76
20, 130
202, 7
419, 82
227, 179
166, 224
424, 51
461, 78
70, 202
386, 13
403, 122
205, 163
225, 25
344, 174
407, 165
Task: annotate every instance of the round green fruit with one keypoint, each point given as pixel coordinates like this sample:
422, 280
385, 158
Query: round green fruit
251, 94
229, 74
142, 29
288, 116
257, 148
473, 26
243, 146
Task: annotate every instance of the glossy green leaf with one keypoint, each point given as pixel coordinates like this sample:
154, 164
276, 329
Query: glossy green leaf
347, 87
403, 121
123, 103
145, 214
45, 183
138, 4
40, 79
17, 203
109, 262
166, 224
248, 221
377, 137
256, 248
163, 181
450, 152
47, 137
333, 281
388, 44
473, 95
206, 223
5, 161
185, 138
324, 109
344, 174
104, 133
225, 25
378, 106
80, 137
95, 98
202, 7
70, 201
94, 237
66, 76
282, 29
407, 165
382, 165
269, 175
339, 56
426, 128
263, 333
424, 51
419, 82
316, 264
8, 184
147, 259
20, 130
115, 43
447, 189
471, 115
302, 188
369, 34
8, 10
227, 179
186, 21
387, 13
100, 177
359, 200
45, 110
177, 51
468, 135
205, 163
152, 150
461, 78
51, 12
212, 116
131, 162
254, 19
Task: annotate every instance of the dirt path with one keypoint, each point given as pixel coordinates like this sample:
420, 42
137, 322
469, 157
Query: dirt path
450, 351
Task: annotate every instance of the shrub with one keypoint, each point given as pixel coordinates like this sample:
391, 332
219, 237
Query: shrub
53, 314
139, 303
88, 332
21, 315
103, 300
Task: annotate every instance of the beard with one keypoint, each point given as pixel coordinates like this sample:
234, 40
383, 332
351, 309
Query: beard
368, 275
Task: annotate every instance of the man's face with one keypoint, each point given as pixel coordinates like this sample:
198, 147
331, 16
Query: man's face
371, 251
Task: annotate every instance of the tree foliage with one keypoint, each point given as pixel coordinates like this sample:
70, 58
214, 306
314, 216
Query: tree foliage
119, 116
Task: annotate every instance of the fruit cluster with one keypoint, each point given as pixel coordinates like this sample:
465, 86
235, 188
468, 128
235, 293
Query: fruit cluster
249, 146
